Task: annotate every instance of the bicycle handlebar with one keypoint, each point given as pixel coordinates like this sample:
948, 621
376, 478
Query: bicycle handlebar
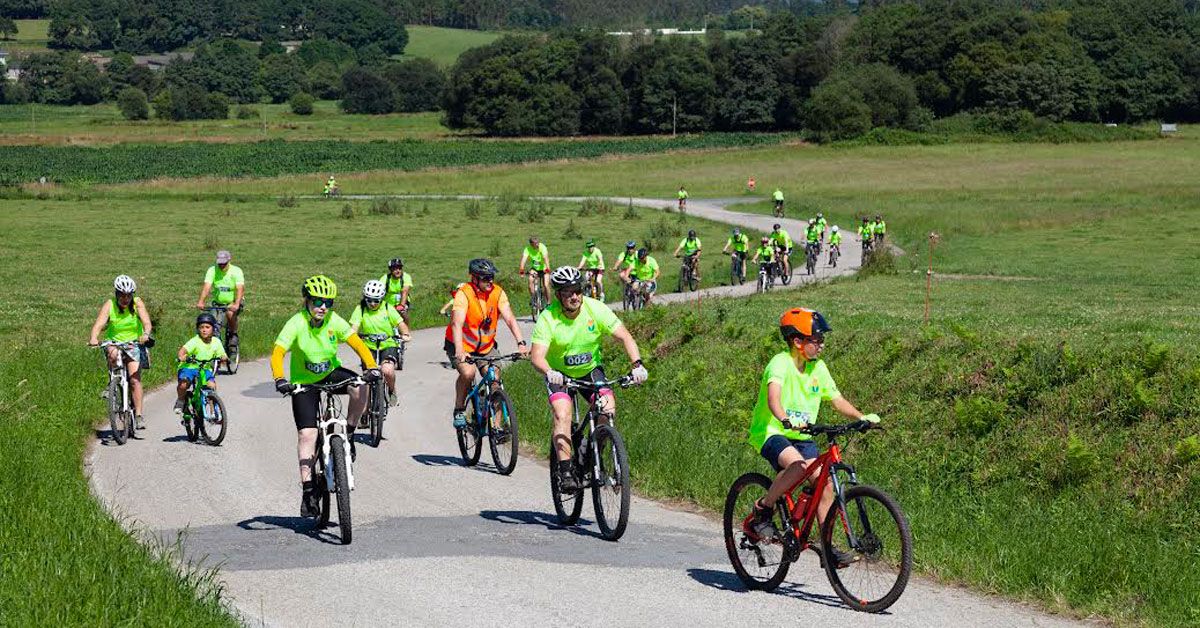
120, 345
492, 360
355, 381
834, 430
590, 385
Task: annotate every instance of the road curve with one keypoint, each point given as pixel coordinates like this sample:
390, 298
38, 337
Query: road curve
437, 543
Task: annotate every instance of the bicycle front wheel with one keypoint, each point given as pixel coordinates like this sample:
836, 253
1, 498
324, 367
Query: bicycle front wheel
470, 445
760, 563
378, 412
610, 490
118, 417
214, 421
502, 433
341, 485
872, 528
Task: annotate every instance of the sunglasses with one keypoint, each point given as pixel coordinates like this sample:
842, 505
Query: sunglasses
570, 292
816, 339
372, 302
318, 302
485, 278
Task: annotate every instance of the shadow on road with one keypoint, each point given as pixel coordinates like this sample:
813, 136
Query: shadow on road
176, 438
546, 520
728, 581
262, 390
299, 525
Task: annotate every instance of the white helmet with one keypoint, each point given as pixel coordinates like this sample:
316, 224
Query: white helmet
374, 290
835, 229
125, 284
565, 277
812, 221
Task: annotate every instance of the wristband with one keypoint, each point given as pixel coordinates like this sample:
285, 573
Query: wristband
637, 363
521, 343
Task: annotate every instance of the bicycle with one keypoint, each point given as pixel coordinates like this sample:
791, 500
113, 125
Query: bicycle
857, 518
683, 205
810, 258
490, 413
228, 340
778, 209
537, 298
687, 274
120, 404
332, 192
835, 252
641, 293
595, 284
867, 247
333, 460
204, 415
599, 460
377, 395
785, 271
737, 268
766, 276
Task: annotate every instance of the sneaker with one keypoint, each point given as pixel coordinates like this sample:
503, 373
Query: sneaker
179, 404
140, 422
567, 482
763, 524
844, 559
233, 341
393, 399
460, 419
310, 502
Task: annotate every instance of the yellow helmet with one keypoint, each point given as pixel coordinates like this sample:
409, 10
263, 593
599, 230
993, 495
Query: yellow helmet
319, 286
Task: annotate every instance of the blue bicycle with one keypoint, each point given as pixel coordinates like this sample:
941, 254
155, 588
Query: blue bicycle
490, 413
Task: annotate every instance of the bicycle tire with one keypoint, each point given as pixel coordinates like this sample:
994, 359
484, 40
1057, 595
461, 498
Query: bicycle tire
768, 574
872, 551
566, 507
785, 275
207, 427
118, 417
505, 441
693, 283
189, 424
323, 487
400, 355
470, 443
615, 482
341, 484
378, 412
235, 359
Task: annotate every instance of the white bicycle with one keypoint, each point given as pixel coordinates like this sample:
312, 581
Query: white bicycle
334, 462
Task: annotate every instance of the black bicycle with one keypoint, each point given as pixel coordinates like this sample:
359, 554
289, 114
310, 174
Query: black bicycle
835, 251
737, 268
490, 413
537, 298
228, 340
333, 463
811, 251
687, 274
378, 399
599, 460
782, 257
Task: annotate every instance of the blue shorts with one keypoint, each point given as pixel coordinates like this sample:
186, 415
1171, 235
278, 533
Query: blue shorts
778, 443
189, 374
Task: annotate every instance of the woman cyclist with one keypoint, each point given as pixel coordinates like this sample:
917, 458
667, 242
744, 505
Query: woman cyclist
566, 343
312, 336
124, 319
372, 318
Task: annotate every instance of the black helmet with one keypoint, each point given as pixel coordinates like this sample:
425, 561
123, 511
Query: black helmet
691, 233
775, 227
642, 253
482, 267
395, 262
630, 244
205, 317
737, 232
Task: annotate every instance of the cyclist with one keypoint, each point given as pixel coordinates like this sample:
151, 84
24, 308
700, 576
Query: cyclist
398, 284
865, 233
792, 388
691, 251
740, 243
566, 343
835, 242
201, 347
231, 290
880, 228
372, 318
124, 319
750, 184
331, 186
312, 336
645, 271
778, 196
593, 260
478, 307
626, 258
445, 310
539, 260
822, 225
782, 242
683, 197
812, 236
765, 254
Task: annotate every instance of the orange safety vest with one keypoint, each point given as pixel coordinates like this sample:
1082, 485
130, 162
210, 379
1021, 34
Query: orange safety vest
479, 329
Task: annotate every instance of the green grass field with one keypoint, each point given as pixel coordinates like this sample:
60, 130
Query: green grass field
31, 35
444, 45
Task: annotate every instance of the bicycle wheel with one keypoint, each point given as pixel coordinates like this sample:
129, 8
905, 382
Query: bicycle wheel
762, 282
400, 356
231, 366
341, 485
215, 421
189, 423
567, 506
882, 543
118, 416
761, 564
378, 411
693, 283
785, 275
502, 433
610, 492
470, 445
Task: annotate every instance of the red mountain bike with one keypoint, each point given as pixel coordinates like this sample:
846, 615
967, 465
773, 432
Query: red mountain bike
864, 522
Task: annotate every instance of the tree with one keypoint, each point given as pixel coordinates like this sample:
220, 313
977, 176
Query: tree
281, 76
8, 28
133, 104
418, 83
837, 110
325, 81
317, 50
749, 90
223, 66
190, 103
301, 104
671, 87
358, 23
270, 46
364, 91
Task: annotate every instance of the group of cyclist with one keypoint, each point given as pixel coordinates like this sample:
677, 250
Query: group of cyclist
635, 267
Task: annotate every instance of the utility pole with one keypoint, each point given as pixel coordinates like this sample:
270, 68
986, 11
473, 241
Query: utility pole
933, 240
674, 113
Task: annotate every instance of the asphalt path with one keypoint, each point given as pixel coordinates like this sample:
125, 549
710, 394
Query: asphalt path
440, 544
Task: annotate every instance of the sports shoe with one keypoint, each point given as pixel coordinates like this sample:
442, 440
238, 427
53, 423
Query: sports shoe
140, 422
844, 559
310, 501
567, 482
393, 399
763, 524
460, 419
179, 404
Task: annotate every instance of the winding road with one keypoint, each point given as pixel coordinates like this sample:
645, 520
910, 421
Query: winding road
437, 543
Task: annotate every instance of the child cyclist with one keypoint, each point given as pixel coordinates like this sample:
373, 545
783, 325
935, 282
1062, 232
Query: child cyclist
201, 347
792, 388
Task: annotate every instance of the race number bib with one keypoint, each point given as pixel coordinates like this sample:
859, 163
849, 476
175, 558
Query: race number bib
317, 368
580, 359
798, 419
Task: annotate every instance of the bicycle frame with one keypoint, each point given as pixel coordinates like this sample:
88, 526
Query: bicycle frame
119, 371
331, 422
489, 381
581, 430
200, 385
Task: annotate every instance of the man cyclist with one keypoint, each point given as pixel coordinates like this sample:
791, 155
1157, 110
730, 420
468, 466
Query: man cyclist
538, 258
741, 245
683, 197
331, 186
880, 229
312, 337
398, 284
783, 242
865, 233
778, 196
691, 248
812, 237
835, 242
479, 305
566, 344
822, 225
124, 318
593, 261
372, 318
791, 390
230, 286
765, 255
645, 271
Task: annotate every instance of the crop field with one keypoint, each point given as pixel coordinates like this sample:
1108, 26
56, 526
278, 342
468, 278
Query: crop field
132, 162
444, 45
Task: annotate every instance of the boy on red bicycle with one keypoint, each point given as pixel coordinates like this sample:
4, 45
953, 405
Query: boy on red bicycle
792, 388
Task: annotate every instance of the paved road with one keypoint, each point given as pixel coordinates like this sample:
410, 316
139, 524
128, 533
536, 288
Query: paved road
440, 544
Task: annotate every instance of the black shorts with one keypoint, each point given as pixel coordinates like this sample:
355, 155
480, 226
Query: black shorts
778, 443
390, 354
448, 347
597, 375
304, 405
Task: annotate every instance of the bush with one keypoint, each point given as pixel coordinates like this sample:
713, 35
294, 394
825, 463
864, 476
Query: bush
572, 232
472, 210
246, 112
347, 212
190, 103
837, 111
364, 91
418, 83
301, 104
133, 104
978, 416
287, 201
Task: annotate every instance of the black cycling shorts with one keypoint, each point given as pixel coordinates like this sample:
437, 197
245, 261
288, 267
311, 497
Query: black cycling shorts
304, 405
448, 347
390, 354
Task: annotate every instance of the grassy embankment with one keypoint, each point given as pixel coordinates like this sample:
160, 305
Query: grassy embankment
444, 45
65, 562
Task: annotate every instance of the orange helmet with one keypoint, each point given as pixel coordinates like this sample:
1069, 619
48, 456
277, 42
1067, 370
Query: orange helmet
802, 322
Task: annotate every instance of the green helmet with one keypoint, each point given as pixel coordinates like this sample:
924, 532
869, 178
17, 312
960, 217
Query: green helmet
319, 286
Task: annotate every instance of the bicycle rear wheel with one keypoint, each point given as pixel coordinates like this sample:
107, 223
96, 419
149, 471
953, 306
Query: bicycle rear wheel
214, 421
872, 527
502, 433
567, 506
760, 563
610, 492
341, 485
231, 366
470, 445
118, 417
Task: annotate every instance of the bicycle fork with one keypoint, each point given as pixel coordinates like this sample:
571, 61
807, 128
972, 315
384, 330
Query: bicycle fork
327, 454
